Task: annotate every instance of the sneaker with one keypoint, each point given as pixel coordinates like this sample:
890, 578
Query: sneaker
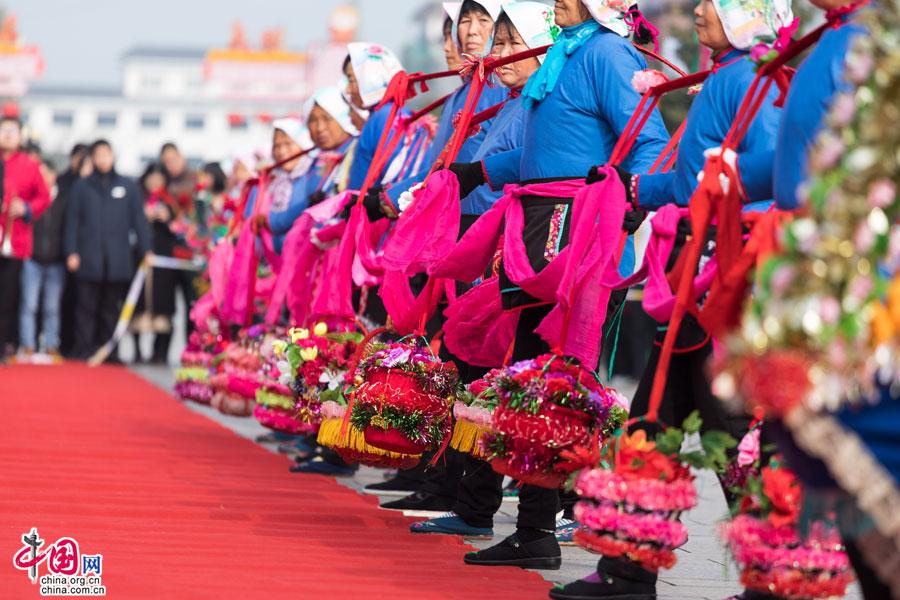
397, 486
622, 579
452, 524
274, 437
300, 445
421, 504
55, 357
511, 491
323, 467
542, 553
25, 356
565, 531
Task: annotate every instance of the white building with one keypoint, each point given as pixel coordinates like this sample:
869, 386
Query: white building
167, 95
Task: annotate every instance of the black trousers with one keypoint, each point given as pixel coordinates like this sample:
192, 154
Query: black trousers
481, 489
97, 310
166, 282
10, 287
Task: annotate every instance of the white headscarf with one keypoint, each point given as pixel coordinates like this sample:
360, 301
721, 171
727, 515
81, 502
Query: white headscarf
611, 13
493, 8
374, 66
534, 21
747, 23
332, 101
452, 10
296, 130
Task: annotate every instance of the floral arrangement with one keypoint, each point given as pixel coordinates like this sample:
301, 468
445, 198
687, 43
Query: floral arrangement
632, 507
547, 405
764, 538
192, 377
473, 412
818, 332
403, 397
313, 364
238, 379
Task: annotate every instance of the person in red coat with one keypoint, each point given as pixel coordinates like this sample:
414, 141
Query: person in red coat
25, 197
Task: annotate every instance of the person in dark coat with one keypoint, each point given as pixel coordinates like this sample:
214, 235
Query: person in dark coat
79, 166
104, 211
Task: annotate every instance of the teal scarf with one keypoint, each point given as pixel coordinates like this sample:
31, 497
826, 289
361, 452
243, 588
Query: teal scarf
570, 39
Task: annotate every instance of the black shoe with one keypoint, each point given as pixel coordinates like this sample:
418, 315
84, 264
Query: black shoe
616, 579
421, 504
396, 486
542, 553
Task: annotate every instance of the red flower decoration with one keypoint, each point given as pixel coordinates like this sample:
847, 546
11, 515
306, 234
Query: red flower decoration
784, 493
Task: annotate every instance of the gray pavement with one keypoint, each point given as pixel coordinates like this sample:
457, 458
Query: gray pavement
704, 570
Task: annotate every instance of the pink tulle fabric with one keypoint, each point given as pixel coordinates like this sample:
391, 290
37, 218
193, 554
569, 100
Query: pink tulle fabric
282, 420
473, 414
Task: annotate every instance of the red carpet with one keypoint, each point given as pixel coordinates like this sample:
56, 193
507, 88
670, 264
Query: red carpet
181, 507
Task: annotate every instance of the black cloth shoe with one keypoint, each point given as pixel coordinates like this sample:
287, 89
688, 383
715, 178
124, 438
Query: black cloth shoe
396, 486
421, 504
541, 553
615, 579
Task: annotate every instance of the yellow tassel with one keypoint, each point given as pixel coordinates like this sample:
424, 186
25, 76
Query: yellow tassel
466, 438
267, 398
192, 374
330, 436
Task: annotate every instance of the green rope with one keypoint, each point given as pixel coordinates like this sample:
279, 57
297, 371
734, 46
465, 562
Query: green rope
617, 322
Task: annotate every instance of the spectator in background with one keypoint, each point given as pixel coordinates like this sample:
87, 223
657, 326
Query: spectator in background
44, 273
103, 211
79, 166
210, 198
24, 198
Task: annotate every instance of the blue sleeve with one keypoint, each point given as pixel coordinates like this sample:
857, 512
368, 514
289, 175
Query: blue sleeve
656, 190
617, 102
280, 222
503, 168
366, 147
251, 202
756, 174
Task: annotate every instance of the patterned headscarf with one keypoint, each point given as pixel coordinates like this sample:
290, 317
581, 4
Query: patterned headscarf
611, 14
534, 21
750, 22
332, 101
374, 66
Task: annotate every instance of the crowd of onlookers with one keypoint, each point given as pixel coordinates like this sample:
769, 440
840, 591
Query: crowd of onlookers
71, 240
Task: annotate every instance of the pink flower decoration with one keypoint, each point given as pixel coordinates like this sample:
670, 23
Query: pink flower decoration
644, 80
843, 109
759, 52
748, 449
882, 193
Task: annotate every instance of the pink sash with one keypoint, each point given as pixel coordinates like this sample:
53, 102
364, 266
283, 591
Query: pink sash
428, 228
301, 259
478, 330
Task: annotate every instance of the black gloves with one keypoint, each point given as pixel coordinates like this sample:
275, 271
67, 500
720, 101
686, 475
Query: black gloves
470, 176
634, 217
376, 205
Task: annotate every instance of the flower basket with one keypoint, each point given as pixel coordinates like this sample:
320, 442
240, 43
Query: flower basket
633, 517
403, 398
192, 377
351, 445
314, 363
547, 406
472, 420
235, 387
766, 543
632, 508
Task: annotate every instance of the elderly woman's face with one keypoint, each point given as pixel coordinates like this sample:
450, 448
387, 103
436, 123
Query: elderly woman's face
325, 131
570, 12
475, 28
709, 28
507, 42
353, 87
284, 147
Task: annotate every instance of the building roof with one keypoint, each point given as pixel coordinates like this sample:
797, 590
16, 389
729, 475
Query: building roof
62, 89
164, 52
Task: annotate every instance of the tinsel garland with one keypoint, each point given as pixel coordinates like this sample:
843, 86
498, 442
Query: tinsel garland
352, 446
816, 320
644, 494
649, 557
658, 529
467, 438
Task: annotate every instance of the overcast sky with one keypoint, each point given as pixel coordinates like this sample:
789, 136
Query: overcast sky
82, 40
